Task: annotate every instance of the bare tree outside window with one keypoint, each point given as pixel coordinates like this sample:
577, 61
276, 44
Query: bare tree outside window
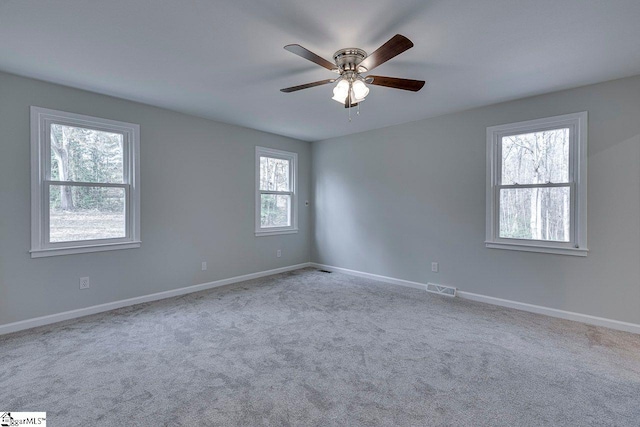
276, 211
275, 208
537, 185
537, 211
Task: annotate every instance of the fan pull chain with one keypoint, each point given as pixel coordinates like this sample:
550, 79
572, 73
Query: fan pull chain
349, 98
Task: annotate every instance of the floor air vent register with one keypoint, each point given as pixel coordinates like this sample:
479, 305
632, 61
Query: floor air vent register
441, 290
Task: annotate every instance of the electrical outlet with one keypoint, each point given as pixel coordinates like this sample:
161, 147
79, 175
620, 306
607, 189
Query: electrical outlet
279, 253
434, 267
84, 283
204, 266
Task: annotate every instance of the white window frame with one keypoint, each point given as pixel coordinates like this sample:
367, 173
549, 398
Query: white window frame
293, 177
577, 124
41, 121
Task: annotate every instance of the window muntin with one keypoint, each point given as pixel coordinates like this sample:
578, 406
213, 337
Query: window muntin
85, 178
275, 191
536, 185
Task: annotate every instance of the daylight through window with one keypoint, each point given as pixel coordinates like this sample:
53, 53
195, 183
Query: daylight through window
85, 184
537, 185
275, 191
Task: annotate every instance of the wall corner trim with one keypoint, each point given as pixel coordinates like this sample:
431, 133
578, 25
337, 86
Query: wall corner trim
546, 311
81, 312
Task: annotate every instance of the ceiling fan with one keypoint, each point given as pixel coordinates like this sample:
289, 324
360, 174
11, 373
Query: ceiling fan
351, 63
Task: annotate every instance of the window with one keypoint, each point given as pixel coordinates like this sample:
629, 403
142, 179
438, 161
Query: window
537, 185
84, 184
276, 174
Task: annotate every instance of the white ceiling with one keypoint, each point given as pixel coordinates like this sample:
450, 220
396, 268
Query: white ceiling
225, 60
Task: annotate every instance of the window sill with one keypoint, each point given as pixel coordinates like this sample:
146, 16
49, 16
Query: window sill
538, 248
276, 232
41, 253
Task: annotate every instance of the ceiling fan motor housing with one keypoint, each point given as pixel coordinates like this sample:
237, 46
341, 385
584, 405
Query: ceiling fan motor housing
349, 58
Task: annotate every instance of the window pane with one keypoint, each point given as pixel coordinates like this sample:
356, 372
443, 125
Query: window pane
275, 210
536, 158
535, 213
86, 213
274, 174
87, 155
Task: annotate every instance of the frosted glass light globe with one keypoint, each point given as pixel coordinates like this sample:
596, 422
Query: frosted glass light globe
341, 91
360, 91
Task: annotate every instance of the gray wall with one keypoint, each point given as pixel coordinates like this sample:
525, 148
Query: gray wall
197, 204
393, 200
387, 202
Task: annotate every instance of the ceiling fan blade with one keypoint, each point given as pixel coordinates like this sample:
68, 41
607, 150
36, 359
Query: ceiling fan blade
394, 47
306, 86
396, 83
307, 54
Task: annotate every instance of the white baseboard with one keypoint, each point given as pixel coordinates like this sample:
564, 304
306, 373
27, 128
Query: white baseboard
553, 312
72, 314
385, 279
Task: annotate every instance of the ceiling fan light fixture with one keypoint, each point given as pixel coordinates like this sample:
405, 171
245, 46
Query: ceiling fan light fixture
359, 91
341, 91
350, 64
